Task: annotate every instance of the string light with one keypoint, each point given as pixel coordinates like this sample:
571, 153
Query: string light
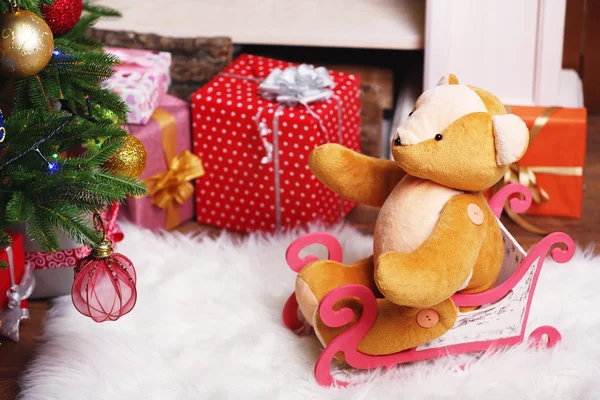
53, 166
58, 55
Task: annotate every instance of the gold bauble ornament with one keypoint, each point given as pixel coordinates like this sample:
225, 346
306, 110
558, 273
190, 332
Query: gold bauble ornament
130, 159
26, 44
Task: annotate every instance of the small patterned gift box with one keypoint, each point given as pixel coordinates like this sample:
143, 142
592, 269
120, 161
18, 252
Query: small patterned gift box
140, 79
254, 127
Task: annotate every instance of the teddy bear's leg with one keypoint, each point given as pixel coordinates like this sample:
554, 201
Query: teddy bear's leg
444, 263
396, 328
316, 279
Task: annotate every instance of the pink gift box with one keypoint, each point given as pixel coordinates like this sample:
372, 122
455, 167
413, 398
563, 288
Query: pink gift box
170, 121
140, 79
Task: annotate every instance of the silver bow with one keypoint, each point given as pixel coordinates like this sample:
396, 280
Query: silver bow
303, 84
12, 315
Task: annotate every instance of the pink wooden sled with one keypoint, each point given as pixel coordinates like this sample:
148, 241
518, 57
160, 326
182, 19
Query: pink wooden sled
500, 321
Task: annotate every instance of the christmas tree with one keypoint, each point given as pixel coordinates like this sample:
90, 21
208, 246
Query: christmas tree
63, 154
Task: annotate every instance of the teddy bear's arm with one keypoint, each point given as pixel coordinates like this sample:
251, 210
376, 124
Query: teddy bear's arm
354, 176
442, 264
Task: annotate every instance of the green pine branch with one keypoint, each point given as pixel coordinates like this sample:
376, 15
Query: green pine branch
63, 200
40, 229
18, 208
5, 239
86, 22
123, 182
69, 220
100, 10
29, 5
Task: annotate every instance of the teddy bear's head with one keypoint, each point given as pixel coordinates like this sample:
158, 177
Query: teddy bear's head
459, 136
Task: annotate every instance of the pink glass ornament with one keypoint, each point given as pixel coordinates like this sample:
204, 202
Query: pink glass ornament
104, 287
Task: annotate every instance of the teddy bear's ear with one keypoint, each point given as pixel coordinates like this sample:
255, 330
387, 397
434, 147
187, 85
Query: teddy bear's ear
448, 79
511, 138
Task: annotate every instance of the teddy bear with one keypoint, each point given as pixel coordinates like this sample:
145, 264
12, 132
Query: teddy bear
435, 234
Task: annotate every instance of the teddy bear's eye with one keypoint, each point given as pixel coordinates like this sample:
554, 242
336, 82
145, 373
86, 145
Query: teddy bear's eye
438, 137
397, 141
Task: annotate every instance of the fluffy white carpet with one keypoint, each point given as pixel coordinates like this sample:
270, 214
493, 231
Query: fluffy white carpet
207, 326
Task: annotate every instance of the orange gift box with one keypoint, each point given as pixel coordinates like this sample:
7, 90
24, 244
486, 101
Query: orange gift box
552, 167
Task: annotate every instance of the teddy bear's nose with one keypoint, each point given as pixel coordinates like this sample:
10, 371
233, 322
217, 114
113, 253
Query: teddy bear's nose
397, 141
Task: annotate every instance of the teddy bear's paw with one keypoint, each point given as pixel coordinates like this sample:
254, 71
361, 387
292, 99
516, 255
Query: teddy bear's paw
396, 328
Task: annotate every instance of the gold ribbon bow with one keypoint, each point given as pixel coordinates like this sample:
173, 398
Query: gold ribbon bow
526, 175
172, 188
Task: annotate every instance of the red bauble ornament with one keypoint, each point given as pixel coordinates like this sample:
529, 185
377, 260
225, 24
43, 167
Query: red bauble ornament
62, 15
104, 287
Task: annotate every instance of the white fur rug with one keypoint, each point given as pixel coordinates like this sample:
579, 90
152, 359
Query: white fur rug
207, 326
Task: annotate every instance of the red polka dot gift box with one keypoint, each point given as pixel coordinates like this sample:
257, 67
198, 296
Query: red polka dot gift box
255, 125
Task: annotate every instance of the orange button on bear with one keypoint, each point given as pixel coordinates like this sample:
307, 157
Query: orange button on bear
475, 213
428, 318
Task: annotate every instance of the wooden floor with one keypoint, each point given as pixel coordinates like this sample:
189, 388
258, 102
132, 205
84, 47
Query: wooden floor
15, 356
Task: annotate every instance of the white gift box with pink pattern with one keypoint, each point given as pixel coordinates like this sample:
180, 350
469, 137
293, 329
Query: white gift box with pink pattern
140, 79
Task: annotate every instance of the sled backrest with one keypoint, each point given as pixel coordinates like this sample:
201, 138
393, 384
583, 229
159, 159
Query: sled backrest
513, 255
